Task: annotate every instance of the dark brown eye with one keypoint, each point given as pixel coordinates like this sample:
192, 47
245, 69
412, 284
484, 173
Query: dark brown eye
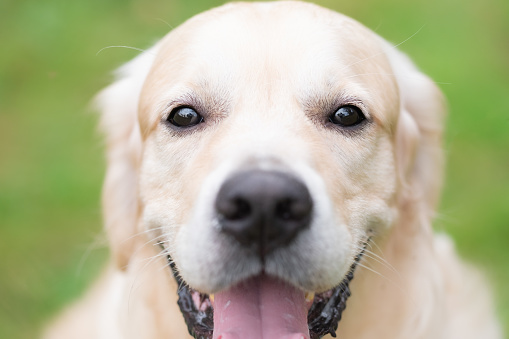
347, 116
184, 117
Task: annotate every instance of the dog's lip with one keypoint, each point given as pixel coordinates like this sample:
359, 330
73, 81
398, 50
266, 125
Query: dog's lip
324, 312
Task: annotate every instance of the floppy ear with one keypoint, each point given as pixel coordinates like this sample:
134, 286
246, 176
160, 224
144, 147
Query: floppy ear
118, 104
419, 135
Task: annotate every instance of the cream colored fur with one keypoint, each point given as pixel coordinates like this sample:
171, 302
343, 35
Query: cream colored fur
267, 74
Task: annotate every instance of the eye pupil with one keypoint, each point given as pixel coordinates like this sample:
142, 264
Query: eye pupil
184, 117
347, 116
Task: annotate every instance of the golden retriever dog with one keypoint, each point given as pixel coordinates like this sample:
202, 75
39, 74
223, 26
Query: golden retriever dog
273, 172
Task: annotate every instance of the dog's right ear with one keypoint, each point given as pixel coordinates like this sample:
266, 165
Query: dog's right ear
118, 104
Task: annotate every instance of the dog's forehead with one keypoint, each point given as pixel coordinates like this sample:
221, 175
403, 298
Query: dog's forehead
271, 50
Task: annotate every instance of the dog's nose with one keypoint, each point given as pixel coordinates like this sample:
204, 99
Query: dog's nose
263, 210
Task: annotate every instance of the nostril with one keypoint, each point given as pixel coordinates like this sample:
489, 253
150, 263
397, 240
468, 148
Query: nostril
234, 209
283, 210
293, 210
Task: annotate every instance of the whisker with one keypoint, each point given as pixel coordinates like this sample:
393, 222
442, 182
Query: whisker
380, 260
159, 255
165, 22
128, 47
399, 286
147, 231
151, 240
373, 271
380, 53
97, 243
410, 37
378, 27
138, 274
373, 243
380, 257
374, 73
393, 75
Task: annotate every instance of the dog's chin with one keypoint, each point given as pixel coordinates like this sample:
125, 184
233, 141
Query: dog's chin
263, 306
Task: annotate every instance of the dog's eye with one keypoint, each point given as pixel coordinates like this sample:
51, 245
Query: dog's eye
347, 116
184, 117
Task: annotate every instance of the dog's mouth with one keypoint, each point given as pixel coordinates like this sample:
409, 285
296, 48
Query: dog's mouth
263, 307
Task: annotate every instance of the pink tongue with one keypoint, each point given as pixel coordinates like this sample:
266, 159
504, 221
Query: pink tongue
260, 308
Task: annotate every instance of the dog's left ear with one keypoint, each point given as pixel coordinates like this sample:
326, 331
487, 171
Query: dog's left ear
118, 104
419, 151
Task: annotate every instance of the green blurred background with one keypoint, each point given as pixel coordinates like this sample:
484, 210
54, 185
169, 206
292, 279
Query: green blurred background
51, 155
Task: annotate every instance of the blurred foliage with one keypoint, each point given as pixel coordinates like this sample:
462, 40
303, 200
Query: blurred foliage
51, 167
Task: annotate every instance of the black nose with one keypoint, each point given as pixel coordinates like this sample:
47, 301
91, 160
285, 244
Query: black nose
263, 210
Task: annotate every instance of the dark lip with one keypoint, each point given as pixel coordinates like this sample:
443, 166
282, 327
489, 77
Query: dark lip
323, 315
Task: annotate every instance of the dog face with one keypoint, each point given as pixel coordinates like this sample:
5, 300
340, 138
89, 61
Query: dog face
267, 139
269, 106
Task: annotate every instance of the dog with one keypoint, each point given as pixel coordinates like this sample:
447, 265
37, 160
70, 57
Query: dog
273, 171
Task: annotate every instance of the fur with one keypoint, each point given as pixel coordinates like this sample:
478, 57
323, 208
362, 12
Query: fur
267, 75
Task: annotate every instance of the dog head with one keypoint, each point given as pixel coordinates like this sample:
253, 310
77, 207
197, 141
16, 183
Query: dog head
268, 140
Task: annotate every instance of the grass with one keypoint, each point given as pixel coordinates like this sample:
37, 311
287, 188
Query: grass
52, 163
